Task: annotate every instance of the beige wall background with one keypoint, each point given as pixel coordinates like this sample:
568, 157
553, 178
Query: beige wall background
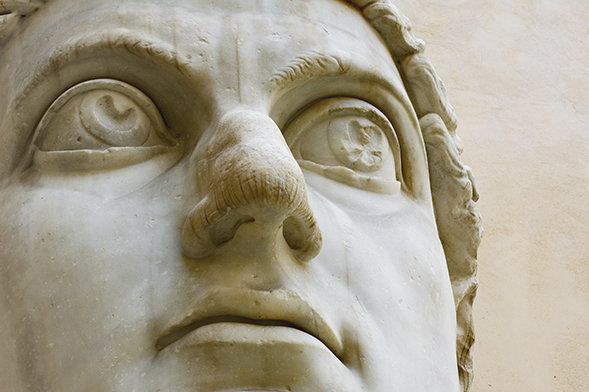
517, 73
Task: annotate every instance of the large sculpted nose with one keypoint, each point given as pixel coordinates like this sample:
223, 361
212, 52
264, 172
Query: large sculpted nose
251, 177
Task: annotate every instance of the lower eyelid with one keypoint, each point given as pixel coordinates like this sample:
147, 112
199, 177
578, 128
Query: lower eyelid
109, 159
350, 177
66, 170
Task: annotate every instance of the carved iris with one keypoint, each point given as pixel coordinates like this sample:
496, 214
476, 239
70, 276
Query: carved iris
114, 119
358, 143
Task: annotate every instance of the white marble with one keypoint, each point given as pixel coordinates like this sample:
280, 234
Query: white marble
229, 196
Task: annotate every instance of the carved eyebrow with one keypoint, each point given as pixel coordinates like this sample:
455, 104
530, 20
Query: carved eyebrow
127, 40
312, 64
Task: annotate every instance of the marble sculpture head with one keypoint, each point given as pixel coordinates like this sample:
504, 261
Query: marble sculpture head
229, 196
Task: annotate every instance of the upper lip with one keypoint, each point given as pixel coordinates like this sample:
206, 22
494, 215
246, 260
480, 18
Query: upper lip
273, 308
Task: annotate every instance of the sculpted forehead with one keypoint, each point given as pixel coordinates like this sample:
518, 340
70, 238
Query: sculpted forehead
180, 16
204, 27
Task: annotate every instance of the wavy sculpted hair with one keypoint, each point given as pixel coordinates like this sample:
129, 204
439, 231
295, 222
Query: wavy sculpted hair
452, 183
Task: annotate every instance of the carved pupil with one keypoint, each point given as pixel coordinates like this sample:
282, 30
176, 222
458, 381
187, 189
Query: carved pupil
114, 118
357, 143
120, 120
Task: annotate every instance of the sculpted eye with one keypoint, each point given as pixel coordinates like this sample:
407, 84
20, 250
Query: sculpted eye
100, 124
347, 140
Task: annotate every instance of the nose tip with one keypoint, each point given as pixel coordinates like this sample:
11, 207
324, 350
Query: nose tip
251, 177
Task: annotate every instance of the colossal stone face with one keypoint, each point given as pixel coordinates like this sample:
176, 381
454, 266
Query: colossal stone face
215, 196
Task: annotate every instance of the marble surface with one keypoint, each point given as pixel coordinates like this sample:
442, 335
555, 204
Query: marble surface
229, 196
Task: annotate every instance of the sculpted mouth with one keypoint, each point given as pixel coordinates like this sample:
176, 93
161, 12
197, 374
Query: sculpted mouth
279, 308
177, 334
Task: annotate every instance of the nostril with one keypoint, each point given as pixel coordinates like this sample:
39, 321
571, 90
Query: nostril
224, 229
205, 231
293, 233
301, 233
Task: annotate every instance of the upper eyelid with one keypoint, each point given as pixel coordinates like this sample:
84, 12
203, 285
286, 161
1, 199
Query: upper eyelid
356, 78
139, 45
350, 107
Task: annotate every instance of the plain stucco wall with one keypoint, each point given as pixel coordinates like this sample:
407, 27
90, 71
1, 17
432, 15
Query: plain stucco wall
517, 73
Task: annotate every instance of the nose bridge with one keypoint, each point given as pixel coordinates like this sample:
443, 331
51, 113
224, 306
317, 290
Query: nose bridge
251, 168
251, 177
